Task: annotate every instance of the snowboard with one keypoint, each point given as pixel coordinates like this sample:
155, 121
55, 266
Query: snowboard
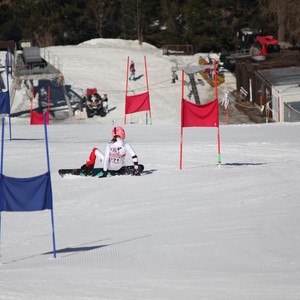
98, 172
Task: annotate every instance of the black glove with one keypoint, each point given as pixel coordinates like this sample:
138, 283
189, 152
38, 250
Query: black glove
105, 173
136, 172
87, 170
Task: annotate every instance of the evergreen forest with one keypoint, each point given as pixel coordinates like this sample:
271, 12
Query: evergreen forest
208, 25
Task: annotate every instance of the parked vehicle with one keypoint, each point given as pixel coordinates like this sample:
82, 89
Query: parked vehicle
94, 103
248, 39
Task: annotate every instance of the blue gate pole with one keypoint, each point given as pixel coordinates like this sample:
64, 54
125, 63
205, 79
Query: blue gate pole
48, 165
2, 147
1, 172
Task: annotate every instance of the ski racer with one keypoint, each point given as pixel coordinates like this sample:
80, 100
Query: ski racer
114, 157
132, 71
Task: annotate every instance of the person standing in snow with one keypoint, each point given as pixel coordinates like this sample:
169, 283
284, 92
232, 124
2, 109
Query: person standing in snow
132, 71
105, 103
114, 157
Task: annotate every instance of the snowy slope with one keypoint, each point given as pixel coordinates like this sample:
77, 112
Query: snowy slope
203, 232
102, 63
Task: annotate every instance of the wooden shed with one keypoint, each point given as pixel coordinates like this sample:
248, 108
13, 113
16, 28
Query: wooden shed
281, 87
259, 80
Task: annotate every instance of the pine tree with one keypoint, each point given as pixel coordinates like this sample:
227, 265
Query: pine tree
207, 24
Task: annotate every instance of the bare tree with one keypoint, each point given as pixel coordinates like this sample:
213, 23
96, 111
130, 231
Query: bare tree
139, 21
101, 10
45, 39
293, 22
288, 20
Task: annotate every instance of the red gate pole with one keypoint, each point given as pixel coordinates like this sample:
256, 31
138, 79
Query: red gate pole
126, 93
181, 128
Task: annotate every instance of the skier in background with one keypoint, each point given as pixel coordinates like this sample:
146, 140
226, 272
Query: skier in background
105, 103
132, 71
114, 157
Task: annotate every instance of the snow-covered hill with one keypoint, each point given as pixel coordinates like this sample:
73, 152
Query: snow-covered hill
102, 63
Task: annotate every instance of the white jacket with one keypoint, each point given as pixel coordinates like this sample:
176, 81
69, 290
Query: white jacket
114, 157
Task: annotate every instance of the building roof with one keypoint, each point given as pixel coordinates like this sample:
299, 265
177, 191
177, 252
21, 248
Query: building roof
273, 60
281, 76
